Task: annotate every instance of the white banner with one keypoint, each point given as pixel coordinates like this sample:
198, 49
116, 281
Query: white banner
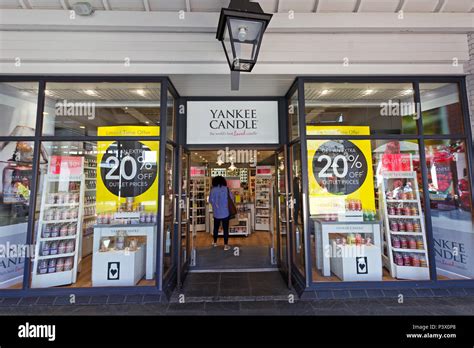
232, 122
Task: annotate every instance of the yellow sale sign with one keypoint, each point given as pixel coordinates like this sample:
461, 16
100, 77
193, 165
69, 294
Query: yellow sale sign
339, 170
127, 169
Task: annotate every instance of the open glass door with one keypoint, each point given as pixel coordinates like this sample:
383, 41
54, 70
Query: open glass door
183, 216
284, 218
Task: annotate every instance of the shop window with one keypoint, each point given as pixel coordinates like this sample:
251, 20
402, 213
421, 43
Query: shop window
170, 117
385, 108
16, 160
451, 208
441, 108
367, 210
82, 109
293, 116
96, 213
18, 108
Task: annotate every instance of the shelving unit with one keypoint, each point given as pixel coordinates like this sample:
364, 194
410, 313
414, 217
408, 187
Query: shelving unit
400, 203
263, 202
199, 191
89, 209
58, 236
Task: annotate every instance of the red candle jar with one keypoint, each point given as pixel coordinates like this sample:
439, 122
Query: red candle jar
407, 211
393, 226
409, 226
396, 242
403, 243
407, 260
412, 243
401, 226
398, 259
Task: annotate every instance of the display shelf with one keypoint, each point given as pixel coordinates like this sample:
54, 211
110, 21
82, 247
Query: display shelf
65, 221
50, 239
402, 201
53, 189
404, 216
263, 199
198, 191
61, 205
56, 256
406, 233
393, 191
400, 250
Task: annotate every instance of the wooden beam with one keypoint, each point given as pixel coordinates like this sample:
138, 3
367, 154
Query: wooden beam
206, 22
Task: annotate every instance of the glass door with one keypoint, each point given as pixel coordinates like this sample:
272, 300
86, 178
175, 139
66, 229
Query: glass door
182, 220
297, 210
284, 217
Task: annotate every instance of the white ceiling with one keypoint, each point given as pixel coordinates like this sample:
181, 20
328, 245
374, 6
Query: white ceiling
271, 6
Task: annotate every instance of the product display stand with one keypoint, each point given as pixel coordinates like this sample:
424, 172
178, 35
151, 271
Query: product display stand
263, 203
240, 226
89, 216
58, 236
199, 191
405, 252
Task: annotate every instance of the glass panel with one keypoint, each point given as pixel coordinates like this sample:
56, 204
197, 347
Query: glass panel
96, 214
385, 108
246, 37
367, 210
298, 223
18, 104
169, 193
451, 208
16, 159
441, 108
77, 109
293, 116
170, 117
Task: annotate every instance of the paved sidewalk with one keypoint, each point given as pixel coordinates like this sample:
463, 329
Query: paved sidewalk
385, 306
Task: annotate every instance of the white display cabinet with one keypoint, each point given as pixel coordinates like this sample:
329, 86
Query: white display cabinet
405, 245
59, 232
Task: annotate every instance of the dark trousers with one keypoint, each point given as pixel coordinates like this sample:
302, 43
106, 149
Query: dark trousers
225, 227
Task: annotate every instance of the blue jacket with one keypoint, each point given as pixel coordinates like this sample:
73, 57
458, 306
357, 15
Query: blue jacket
218, 200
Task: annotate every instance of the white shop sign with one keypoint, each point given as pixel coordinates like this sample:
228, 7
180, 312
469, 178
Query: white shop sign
232, 122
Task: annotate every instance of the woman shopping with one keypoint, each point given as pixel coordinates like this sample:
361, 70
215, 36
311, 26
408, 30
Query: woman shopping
223, 207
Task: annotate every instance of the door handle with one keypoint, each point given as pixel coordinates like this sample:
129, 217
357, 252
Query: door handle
187, 208
298, 242
175, 208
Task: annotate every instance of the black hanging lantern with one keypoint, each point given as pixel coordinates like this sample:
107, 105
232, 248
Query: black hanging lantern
241, 27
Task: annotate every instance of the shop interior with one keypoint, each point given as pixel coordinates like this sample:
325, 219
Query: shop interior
250, 176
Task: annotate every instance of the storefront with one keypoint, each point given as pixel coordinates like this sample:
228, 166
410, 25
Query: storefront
360, 182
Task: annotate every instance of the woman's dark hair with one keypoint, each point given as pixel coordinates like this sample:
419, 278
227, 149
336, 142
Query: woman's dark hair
219, 181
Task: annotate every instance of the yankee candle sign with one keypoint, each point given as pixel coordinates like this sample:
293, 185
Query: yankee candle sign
232, 122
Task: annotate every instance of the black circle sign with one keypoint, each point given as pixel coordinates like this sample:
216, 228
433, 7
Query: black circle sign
128, 168
339, 167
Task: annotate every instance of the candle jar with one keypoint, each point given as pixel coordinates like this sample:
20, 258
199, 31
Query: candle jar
62, 247
392, 210
399, 211
71, 230
53, 248
68, 264
412, 243
417, 227
55, 230
43, 267
396, 242
63, 230
407, 211
60, 265
45, 249
46, 231
403, 243
415, 261
393, 226
398, 259
70, 246
409, 226
423, 262
419, 244
401, 226
52, 266
406, 260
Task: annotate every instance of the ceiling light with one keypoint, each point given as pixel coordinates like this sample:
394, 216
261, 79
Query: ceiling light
82, 127
90, 92
140, 92
220, 162
325, 91
83, 8
48, 92
147, 122
369, 92
232, 167
407, 91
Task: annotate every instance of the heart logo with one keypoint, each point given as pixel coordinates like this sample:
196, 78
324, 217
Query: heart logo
362, 266
113, 271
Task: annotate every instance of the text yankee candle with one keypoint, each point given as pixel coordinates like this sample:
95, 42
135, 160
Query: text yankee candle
234, 119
